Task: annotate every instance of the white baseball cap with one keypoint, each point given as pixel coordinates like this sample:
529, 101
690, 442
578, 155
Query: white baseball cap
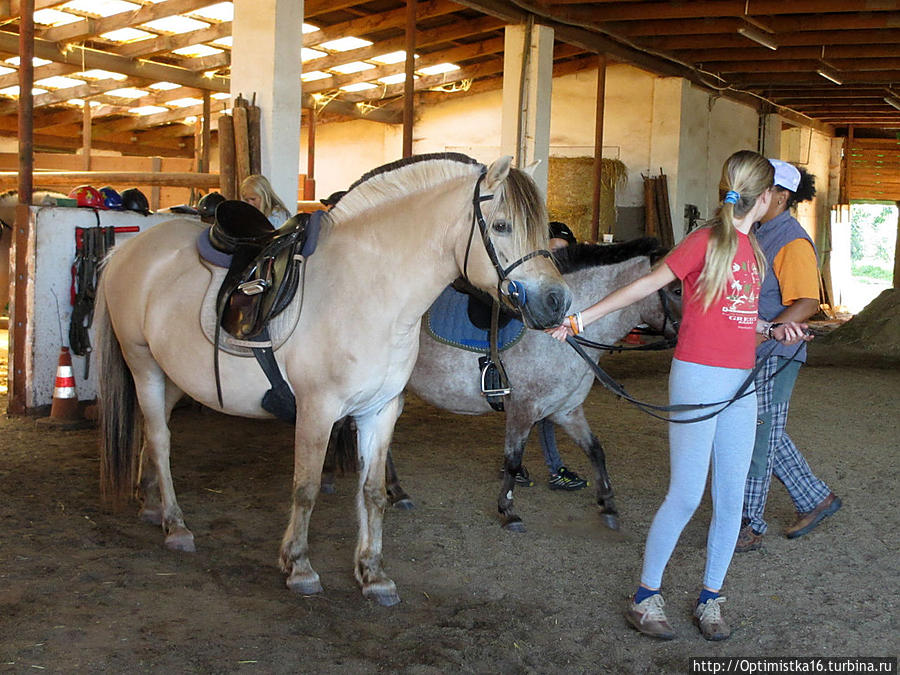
786, 175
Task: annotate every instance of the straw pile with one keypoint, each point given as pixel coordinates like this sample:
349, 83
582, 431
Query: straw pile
570, 193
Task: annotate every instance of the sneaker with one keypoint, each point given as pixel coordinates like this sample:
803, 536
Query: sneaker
807, 521
709, 619
748, 540
566, 480
523, 479
649, 618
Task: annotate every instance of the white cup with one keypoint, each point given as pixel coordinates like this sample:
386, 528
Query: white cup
607, 239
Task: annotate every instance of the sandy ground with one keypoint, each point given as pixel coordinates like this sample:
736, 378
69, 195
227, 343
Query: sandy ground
83, 590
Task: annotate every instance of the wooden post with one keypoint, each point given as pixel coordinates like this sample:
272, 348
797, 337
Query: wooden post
598, 147
309, 185
897, 250
848, 169
241, 143
19, 314
226, 157
409, 107
156, 167
206, 133
254, 140
86, 137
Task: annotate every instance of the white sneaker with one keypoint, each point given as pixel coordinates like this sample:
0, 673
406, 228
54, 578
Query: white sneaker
708, 617
649, 618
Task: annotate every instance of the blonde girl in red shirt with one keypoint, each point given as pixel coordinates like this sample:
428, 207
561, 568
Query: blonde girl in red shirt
720, 266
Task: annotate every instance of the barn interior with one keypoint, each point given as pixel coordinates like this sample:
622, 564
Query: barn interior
630, 107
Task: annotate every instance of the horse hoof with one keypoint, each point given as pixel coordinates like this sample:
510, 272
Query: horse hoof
611, 521
405, 504
384, 593
181, 539
305, 584
515, 525
327, 489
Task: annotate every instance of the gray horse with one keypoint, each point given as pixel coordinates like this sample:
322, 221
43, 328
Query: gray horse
548, 378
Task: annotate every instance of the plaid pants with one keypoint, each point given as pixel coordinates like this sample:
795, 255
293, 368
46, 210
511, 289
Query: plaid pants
774, 451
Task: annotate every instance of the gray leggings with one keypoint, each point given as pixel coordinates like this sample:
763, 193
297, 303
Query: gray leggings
727, 438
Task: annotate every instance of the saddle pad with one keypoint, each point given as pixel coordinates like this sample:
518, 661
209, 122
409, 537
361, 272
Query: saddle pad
447, 321
280, 328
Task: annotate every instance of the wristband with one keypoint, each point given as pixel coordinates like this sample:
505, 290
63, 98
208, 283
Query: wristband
575, 323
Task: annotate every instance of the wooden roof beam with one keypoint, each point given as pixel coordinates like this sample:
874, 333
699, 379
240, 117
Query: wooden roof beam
80, 30
698, 9
461, 53
764, 80
673, 43
153, 46
89, 58
794, 66
378, 22
832, 52
12, 9
425, 38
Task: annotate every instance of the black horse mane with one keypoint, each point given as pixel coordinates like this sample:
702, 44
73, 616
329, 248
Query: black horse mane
456, 156
581, 256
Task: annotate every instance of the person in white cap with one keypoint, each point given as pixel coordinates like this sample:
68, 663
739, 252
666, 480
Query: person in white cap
789, 292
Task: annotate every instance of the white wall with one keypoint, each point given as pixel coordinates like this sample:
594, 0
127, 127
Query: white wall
651, 123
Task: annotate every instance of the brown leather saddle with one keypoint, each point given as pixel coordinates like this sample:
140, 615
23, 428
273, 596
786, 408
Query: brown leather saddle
265, 266
262, 279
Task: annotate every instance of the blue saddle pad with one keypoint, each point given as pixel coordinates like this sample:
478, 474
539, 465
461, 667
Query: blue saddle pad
447, 321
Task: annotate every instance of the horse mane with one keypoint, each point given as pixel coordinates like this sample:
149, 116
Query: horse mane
581, 256
375, 187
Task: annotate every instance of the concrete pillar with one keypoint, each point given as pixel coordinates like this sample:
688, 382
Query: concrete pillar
527, 84
265, 60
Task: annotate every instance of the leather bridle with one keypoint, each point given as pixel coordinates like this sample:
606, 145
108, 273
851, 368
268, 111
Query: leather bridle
512, 291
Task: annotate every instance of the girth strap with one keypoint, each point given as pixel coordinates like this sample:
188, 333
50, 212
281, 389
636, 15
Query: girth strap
279, 400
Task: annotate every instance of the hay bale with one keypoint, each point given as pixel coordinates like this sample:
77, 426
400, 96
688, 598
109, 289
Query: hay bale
570, 189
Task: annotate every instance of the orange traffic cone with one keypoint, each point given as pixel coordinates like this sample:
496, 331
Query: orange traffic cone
64, 410
634, 338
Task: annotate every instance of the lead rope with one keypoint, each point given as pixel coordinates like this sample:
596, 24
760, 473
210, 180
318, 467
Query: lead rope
649, 408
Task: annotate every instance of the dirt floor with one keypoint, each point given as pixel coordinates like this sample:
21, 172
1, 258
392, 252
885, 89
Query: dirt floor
83, 590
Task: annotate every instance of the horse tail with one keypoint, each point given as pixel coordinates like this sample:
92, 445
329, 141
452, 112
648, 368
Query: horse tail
342, 451
120, 428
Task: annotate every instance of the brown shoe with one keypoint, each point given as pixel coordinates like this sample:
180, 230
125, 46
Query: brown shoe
806, 522
709, 619
649, 618
748, 540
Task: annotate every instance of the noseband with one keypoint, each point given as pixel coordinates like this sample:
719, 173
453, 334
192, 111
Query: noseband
513, 291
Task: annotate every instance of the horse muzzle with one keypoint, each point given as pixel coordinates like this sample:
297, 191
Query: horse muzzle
542, 304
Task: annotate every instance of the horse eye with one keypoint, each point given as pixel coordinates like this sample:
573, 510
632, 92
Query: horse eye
502, 226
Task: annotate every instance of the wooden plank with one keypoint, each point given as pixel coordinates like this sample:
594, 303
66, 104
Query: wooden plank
68, 178
226, 156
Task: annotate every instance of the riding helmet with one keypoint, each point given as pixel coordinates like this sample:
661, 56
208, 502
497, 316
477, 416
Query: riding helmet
206, 207
111, 198
134, 200
86, 195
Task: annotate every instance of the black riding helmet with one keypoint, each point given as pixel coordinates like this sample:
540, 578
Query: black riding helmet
134, 200
207, 205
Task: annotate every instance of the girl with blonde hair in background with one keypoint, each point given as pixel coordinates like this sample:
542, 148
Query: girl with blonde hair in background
257, 191
721, 267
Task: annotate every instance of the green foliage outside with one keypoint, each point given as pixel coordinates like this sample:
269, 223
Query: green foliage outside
873, 233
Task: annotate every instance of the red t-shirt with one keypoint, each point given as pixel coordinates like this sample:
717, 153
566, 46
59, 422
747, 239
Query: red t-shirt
724, 334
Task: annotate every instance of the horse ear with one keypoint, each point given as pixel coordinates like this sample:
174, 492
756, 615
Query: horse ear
497, 173
531, 168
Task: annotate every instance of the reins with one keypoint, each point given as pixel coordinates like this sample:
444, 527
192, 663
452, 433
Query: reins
665, 343
607, 381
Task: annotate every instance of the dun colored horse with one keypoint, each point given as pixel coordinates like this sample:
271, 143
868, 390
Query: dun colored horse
395, 240
548, 379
